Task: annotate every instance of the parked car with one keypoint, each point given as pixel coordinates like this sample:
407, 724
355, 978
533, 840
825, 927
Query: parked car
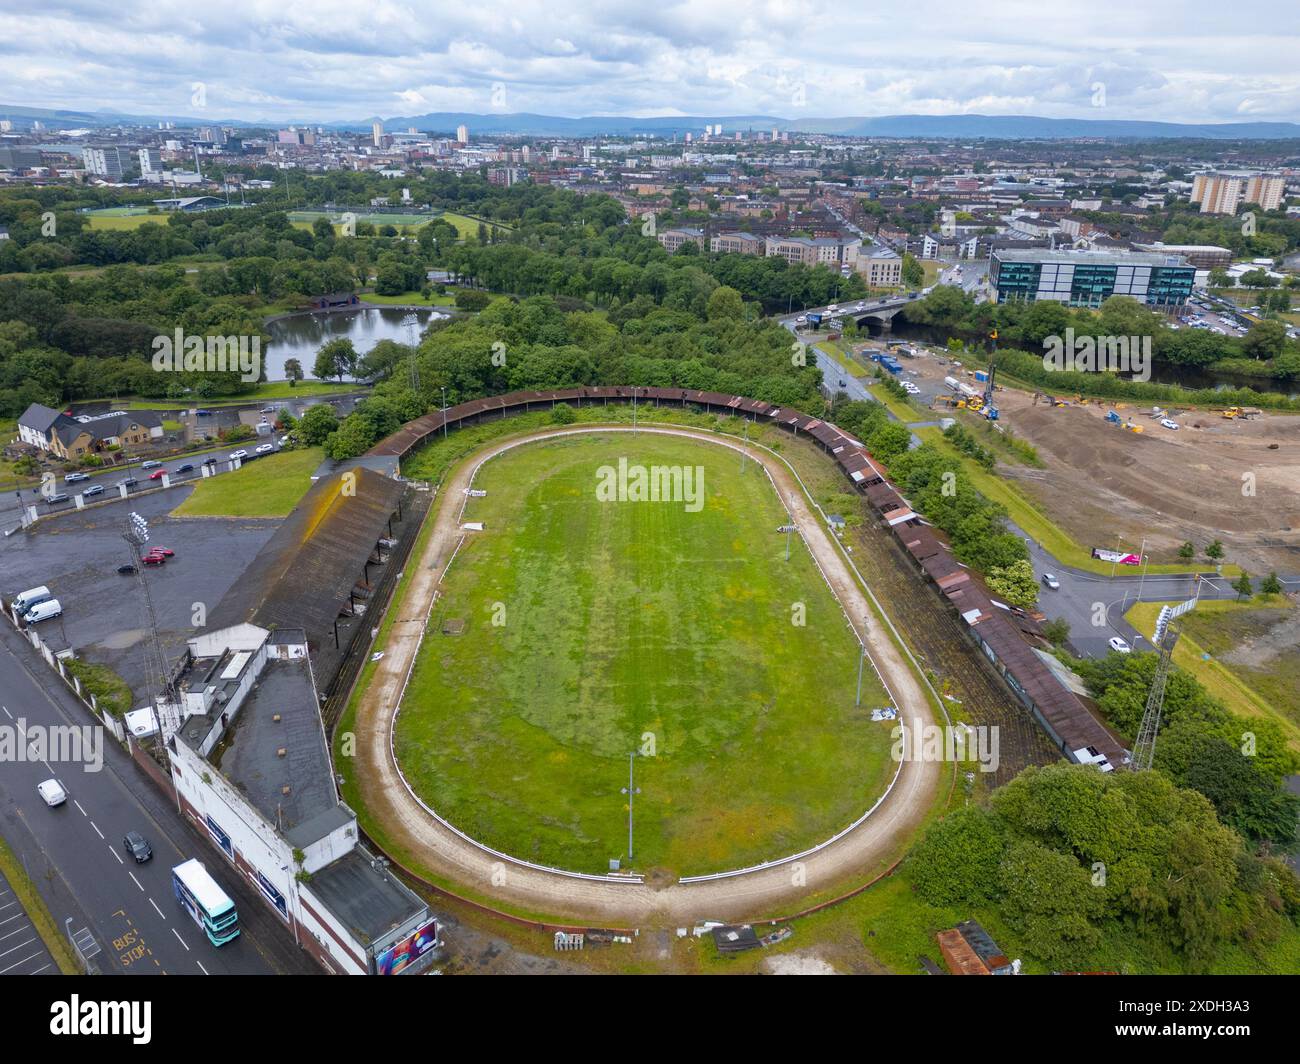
94, 489
153, 463
52, 791
1168, 424
137, 846
1050, 580
75, 478
25, 600
268, 410
43, 611
1120, 646
801, 319
203, 413
126, 569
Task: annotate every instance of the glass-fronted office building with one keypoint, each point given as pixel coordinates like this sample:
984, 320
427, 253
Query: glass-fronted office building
1088, 279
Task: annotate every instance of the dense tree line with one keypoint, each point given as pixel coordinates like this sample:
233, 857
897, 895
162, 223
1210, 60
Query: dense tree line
715, 345
1086, 866
1240, 765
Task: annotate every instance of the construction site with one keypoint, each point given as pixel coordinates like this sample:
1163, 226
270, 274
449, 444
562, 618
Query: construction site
1166, 475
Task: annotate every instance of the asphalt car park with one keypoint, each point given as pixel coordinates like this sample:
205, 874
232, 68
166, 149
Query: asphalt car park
21, 950
78, 557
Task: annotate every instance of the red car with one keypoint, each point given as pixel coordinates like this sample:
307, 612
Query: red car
153, 559
157, 474
166, 552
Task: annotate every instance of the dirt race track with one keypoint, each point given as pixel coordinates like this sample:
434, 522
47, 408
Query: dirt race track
1102, 480
428, 846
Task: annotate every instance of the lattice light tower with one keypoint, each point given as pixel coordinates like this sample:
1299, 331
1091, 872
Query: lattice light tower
136, 535
1168, 628
412, 322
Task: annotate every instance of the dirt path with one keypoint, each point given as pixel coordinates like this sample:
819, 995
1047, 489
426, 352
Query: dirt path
766, 891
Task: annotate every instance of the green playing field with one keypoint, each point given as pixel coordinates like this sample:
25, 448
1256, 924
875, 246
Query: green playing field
573, 631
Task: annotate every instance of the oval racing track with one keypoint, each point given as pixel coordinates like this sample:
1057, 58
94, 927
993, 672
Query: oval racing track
431, 846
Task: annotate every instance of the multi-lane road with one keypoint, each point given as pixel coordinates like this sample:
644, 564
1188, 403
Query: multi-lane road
136, 479
74, 852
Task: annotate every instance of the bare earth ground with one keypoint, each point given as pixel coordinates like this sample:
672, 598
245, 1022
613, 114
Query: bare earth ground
1102, 480
769, 891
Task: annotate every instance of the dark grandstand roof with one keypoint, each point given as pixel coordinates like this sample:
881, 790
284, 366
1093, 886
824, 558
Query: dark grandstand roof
281, 713
302, 576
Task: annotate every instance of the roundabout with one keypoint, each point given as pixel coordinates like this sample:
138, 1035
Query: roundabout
722, 808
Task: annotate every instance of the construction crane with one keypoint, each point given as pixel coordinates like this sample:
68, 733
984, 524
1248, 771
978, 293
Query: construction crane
991, 411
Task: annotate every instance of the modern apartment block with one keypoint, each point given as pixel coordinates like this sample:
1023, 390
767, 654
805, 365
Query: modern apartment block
103, 162
1224, 193
737, 244
809, 251
1088, 279
880, 267
672, 239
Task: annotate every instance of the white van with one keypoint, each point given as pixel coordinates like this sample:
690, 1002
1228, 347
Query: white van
43, 611
25, 600
52, 792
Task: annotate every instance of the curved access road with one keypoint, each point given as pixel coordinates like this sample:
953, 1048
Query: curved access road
430, 847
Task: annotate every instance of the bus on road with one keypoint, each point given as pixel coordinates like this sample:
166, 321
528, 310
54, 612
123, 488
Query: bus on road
206, 902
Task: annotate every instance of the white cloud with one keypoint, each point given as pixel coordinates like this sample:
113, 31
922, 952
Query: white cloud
333, 60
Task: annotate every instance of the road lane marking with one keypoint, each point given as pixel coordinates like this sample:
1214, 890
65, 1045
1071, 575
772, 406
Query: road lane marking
78, 805
135, 881
156, 909
179, 939
97, 831
117, 855
205, 971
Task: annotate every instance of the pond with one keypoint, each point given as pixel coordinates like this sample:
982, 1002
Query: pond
301, 336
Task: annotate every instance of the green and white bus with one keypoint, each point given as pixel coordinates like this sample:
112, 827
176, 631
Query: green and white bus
206, 902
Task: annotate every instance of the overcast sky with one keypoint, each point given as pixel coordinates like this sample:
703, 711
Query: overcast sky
329, 60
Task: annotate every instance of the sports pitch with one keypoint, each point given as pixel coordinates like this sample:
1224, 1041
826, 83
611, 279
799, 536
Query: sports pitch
573, 631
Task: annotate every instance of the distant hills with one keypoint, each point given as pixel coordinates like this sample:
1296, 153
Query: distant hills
966, 126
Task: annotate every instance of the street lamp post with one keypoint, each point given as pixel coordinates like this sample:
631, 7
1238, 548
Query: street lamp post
631, 790
444, 411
